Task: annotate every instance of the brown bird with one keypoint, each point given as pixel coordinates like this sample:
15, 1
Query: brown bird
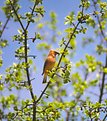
49, 64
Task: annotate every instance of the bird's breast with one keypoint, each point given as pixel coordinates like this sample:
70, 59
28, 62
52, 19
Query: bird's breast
51, 62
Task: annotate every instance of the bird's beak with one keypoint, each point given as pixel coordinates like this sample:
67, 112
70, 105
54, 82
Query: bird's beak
57, 53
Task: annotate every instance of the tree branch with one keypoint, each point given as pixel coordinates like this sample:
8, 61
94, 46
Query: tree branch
17, 15
26, 56
26, 60
105, 117
103, 83
25, 44
32, 12
100, 26
4, 26
58, 63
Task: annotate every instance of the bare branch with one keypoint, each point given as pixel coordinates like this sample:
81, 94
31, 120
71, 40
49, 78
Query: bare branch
4, 26
33, 56
17, 15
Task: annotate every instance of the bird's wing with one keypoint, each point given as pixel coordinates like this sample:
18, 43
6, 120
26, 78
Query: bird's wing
44, 66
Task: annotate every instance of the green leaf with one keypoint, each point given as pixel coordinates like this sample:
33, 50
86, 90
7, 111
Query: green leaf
43, 45
40, 10
105, 70
69, 19
3, 43
20, 31
93, 82
38, 36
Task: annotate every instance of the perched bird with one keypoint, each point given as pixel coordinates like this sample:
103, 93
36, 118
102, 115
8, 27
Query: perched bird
49, 64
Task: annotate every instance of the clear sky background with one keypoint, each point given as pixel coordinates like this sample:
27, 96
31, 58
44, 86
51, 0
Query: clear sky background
62, 9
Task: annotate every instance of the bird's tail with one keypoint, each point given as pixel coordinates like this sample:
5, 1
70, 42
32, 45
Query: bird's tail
44, 78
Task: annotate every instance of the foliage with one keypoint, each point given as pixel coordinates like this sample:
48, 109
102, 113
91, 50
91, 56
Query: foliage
76, 90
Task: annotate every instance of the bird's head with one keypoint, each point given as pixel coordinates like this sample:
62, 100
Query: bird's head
53, 53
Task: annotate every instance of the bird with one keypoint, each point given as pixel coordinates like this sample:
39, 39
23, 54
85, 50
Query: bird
49, 64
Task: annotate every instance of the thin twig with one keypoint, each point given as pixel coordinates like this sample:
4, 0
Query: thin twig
21, 110
103, 83
17, 15
33, 56
4, 26
99, 22
104, 119
32, 12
